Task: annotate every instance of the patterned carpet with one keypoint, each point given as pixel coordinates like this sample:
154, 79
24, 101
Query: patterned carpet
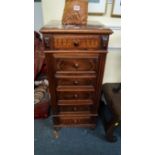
73, 141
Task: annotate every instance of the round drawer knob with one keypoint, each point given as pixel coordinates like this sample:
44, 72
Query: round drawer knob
76, 82
75, 121
75, 108
76, 65
76, 43
75, 95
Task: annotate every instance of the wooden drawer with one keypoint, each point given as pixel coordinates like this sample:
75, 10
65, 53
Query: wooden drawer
76, 64
75, 42
68, 42
88, 102
85, 80
74, 120
75, 108
75, 95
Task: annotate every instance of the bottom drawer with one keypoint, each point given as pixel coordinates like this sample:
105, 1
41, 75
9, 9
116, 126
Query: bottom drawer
75, 108
75, 120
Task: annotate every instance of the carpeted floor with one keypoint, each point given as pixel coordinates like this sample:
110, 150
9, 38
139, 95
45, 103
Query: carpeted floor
73, 141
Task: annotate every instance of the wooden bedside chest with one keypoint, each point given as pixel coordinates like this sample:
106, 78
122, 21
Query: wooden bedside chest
75, 57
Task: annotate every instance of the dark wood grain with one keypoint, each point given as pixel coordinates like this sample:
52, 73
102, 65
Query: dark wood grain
84, 81
69, 42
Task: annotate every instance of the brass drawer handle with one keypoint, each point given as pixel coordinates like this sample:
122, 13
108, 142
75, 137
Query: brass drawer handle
76, 82
76, 43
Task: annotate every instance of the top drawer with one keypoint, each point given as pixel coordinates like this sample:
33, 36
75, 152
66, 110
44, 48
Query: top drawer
67, 42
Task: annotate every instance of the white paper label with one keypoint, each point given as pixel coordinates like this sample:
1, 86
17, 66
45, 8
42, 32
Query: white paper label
76, 8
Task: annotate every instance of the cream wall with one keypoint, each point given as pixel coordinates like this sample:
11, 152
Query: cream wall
53, 10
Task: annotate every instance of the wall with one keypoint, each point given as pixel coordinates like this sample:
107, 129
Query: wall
53, 10
38, 16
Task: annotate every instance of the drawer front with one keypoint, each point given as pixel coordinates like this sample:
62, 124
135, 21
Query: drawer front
74, 120
88, 102
69, 62
76, 81
76, 108
75, 95
73, 64
76, 42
